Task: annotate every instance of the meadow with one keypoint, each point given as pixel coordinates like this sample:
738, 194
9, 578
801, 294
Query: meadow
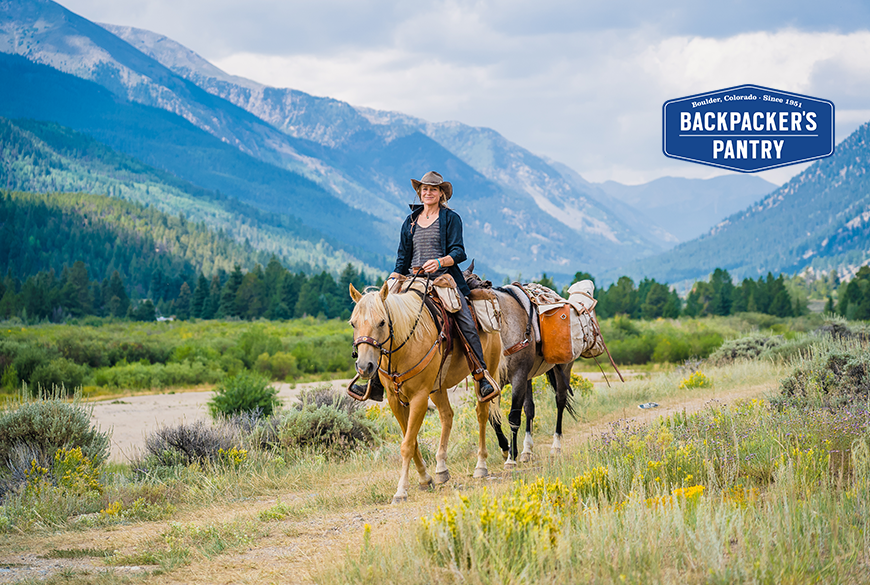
757, 473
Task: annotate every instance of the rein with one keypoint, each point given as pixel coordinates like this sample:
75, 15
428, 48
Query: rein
399, 378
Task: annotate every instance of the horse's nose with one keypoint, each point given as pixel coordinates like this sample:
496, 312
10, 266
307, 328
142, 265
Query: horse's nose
365, 370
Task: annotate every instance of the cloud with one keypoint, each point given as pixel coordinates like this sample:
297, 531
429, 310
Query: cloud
582, 83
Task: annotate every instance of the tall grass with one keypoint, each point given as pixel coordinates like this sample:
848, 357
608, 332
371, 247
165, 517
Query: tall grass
741, 493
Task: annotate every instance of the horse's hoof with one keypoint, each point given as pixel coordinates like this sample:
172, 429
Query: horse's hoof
556, 451
481, 472
427, 485
399, 499
524, 457
442, 477
510, 464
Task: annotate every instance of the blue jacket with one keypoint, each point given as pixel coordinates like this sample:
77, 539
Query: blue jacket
450, 225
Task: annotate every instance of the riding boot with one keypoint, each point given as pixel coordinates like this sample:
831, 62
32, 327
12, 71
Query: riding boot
468, 330
374, 388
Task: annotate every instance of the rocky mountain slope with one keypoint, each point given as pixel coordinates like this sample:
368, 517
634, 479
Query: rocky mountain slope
820, 218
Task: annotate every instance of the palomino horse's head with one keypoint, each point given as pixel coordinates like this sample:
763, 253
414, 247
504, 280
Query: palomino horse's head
369, 322
384, 322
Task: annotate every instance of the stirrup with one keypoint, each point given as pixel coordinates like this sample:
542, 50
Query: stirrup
496, 389
356, 396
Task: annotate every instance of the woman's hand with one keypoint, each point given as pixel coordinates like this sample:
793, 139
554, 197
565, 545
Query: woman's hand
437, 263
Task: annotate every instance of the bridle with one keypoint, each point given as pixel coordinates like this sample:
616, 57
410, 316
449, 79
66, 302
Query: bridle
399, 378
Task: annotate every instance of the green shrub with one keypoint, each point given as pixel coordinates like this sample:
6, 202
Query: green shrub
836, 372
281, 366
744, 348
59, 372
327, 421
187, 443
35, 429
244, 392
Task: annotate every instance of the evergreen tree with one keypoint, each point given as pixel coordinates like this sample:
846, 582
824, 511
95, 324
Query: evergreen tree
657, 298
250, 297
619, 299
182, 303
117, 291
200, 297
673, 306
228, 307
722, 293
76, 292
212, 304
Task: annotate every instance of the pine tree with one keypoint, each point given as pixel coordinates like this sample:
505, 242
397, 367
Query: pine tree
200, 297
117, 291
182, 303
227, 307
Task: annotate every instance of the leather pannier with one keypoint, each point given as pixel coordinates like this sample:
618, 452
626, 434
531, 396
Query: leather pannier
556, 335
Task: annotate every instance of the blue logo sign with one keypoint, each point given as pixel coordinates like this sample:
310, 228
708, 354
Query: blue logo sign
748, 128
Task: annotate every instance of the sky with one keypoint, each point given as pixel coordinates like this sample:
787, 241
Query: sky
579, 82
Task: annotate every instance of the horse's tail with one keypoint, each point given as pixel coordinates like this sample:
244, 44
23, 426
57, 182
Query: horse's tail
569, 394
494, 412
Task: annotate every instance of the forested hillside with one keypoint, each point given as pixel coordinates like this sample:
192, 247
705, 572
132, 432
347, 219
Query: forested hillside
46, 157
79, 254
169, 142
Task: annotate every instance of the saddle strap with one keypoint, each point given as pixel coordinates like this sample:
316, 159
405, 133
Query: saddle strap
399, 379
516, 347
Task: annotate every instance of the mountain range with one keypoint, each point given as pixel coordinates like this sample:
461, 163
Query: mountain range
816, 222
339, 170
325, 182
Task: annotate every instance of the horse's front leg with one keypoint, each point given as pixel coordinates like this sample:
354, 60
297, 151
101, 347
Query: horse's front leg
529, 408
445, 412
480, 470
411, 450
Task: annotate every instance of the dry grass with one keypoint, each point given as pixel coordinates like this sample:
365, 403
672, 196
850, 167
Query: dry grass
324, 504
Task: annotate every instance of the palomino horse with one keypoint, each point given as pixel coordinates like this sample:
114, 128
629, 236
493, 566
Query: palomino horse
519, 367
397, 339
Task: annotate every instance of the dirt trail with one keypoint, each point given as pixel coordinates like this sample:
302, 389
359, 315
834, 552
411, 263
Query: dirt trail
284, 551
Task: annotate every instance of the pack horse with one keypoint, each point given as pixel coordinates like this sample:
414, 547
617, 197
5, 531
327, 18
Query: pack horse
542, 333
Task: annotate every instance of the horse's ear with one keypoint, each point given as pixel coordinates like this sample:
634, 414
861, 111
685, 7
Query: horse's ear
384, 290
471, 267
355, 294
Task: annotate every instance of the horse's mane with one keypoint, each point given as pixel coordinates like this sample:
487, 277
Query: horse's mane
403, 309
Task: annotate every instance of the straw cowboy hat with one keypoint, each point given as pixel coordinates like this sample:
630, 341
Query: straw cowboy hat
433, 178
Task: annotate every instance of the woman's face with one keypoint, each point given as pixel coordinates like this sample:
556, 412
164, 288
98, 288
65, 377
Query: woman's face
430, 194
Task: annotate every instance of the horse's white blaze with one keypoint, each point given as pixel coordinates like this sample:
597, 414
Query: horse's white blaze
528, 443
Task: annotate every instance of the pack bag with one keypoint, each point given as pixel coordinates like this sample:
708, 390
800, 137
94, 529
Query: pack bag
587, 333
445, 288
485, 306
556, 342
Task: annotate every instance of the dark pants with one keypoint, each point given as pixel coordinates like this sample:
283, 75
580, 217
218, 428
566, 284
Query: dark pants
466, 324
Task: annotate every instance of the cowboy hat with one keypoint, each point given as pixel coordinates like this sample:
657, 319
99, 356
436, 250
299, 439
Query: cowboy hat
433, 178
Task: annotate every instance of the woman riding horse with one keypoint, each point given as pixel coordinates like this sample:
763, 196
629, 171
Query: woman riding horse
431, 238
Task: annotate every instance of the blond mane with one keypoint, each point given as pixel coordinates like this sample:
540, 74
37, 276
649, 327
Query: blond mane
403, 308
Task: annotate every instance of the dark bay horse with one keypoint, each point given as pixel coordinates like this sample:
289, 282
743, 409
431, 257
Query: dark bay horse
519, 368
397, 339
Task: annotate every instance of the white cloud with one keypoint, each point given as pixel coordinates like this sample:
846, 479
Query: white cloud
592, 102
582, 83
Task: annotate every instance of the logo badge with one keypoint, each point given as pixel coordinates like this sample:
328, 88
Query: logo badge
748, 128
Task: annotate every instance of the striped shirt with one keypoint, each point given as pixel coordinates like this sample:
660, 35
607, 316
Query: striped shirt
428, 246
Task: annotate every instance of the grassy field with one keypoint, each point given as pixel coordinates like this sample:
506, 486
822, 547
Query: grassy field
727, 481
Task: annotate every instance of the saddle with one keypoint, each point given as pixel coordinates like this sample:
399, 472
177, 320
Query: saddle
441, 298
